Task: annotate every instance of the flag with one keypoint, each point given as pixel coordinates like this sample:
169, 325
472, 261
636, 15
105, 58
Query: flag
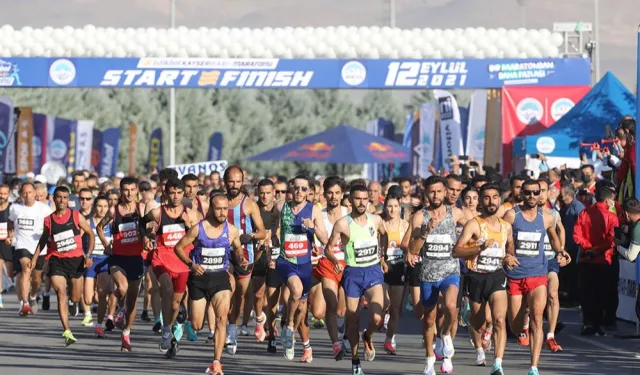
39, 142
84, 144
110, 150
96, 150
58, 148
154, 162
133, 134
24, 147
477, 126
71, 154
450, 132
215, 147
381, 128
6, 124
427, 137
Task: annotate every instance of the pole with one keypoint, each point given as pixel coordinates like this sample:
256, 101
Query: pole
172, 100
392, 13
596, 35
636, 187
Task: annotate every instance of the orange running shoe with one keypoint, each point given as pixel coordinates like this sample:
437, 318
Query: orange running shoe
523, 338
215, 369
99, 333
259, 332
389, 347
307, 356
26, 310
552, 344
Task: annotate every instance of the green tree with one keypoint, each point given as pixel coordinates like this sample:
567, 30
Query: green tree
381, 103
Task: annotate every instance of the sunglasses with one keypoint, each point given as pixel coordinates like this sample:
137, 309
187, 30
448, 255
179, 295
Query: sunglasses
281, 192
535, 193
86, 199
300, 188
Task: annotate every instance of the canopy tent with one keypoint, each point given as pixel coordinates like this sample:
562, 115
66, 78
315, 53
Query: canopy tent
340, 145
606, 103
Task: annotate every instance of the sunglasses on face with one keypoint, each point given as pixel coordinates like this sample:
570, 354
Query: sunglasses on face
281, 192
86, 199
300, 188
535, 193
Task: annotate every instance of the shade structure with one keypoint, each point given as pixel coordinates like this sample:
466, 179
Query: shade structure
340, 145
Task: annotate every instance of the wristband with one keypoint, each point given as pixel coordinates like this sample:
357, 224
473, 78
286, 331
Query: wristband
190, 264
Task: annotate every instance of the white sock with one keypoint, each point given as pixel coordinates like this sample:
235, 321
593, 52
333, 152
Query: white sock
498, 361
431, 361
446, 340
88, 312
126, 332
550, 335
480, 351
526, 326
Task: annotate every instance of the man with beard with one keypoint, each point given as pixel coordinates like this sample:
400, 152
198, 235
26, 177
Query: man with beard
486, 243
433, 236
528, 279
365, 243
244, 214
515, 197
454, 188
191, 188
216, 243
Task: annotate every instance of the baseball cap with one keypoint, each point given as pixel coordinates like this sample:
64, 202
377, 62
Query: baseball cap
41, 178
120, 174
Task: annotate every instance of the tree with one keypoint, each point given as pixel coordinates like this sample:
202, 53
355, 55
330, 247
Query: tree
381, 103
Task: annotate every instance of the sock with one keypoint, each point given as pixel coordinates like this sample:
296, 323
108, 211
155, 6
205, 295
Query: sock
26, 303
526, 327
306, 345
431, 361
498, 361
21, 304
216, 360
212, 332
550, 335
480, 351
446, 340
87, 313
261, 319
109, 317
98, 325
126, 332
45, 294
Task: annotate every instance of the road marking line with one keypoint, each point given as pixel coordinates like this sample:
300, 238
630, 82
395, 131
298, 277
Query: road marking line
604, 346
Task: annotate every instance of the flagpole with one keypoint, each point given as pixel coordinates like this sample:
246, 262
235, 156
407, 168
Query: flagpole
172, 100
636, 187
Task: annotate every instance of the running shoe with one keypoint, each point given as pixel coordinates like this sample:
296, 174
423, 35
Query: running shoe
173, 349
317, 323
178, 331
109, 325
447, 366
244, 330
290, 353
33, 302
523, 338
385, 325
481, 358
232, 343
119, 320
346, 344
73, 309
439, 349
356, 369
215, 369
182, 315
552, 344
307, 356
259, 332
486, 340
87, 321
165, 342
192, 335
390, 347
210, 338
68, 338
125, 346
533, 371
1, 305
287, 338
429, 369
25, 310
369, 349
447, 347
338, 351
272, 346
157, 328
496, 370
99, 333
145, 316
46, 303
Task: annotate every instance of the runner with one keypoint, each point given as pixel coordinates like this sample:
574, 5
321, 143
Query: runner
6, 254
85, 197
25, 225
67, 261
434, 234
125, 263
364, 271
99, 270
152, 289
209, 282
528, 279
299, 221
486, 243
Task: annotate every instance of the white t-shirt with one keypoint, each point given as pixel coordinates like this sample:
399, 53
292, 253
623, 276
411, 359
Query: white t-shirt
28, 223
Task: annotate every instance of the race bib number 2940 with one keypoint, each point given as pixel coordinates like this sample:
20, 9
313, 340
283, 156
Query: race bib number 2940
432, 74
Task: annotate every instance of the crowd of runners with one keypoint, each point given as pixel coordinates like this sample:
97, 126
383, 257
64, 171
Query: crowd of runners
214, 252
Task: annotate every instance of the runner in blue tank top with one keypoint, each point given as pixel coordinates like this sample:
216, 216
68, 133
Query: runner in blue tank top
216, 242
528, 279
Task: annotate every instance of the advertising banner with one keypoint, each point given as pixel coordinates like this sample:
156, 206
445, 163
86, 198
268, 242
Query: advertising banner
6, 124
58, 149
216, 142
154, 161
627, 291
84, 144
529, 110
292, 73
39, 148
450, 129
24, 147
197, 168
109, 154
96, 150
477, 125
427, 138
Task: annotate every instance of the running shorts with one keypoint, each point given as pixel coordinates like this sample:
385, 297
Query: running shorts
207, 285
429, 291
70, 268
526, 285
482, 285
357, 280
132, 266
286, 269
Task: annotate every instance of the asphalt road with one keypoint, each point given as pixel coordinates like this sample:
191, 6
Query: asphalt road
34, 346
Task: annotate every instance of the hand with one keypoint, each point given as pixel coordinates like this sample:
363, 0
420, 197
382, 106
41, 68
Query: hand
314, 250
148, 245
32, 263
488, 243
9, 240
563, 258
88, 262
410, 259
427, 228
107, 250
337, 267
510, 261
197, 269
308, 223
385, 266
245, 238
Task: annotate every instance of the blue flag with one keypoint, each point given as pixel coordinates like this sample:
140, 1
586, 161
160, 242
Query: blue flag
6, 118
96, 150
110, 150
215, 147
155, 151
58, 149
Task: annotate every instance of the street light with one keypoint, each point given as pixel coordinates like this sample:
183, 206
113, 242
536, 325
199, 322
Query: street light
596, 36
172, 99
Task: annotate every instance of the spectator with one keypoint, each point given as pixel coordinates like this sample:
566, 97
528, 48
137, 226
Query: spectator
570, 208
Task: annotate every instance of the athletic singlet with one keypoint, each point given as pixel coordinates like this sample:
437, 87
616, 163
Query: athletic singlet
438, 262
338, 249
244, 224
490, 259
548, 250
170, 231
395, 255
270, 220
64, 235
296, 242
529, 244
98, 246
126, 233
4, 230
362, 248
212, 254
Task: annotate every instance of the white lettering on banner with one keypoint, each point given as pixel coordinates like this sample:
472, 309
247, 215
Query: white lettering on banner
137, 77
206, 63
107, 160
522, 73
196, 168
627, 291
266, 79
427, 74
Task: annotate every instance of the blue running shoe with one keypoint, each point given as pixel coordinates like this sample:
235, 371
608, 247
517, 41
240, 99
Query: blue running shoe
533, 371
496, 369
192, 335
178, 331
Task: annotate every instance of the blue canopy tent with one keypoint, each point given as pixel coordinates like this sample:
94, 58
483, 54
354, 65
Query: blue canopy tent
606, 103
340, 145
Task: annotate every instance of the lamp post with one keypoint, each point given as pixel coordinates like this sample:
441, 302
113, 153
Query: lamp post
172, 99
596, 36
392, 13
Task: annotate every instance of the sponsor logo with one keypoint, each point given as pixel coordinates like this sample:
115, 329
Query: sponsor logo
312, 150
206, 63
545, 145
477, 143
521, 72
529, 111
560, 108
9, 74
62, 72
37, 146
353, 73
427, 74
382, 151
58, 149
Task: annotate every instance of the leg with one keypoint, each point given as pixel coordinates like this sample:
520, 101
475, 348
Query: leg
220, 304
246, 303
22, 287
273, 298
153, 291
330, 294
36, 281
295, 295
259, 289
89, 284
318, 304
59, 284
121, 285
241, 287
166, 296
396, 295
537, 300
103, 293
197, 310
131, 298
553, 303
353, 325
498, 305
375, 298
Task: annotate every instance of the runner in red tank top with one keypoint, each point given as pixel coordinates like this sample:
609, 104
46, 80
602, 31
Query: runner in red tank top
66, 259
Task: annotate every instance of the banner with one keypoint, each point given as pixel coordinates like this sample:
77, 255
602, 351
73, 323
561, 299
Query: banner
154, 162
450, 132
39, 142
6, 124
24, 147
627, 291
381, 128
477, 126
529, 110
293, 73
71, 154
216, 142
133, 137
109, 154
96, 150
84, 144
197, 168
427, 138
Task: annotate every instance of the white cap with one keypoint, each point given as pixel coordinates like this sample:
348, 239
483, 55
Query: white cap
41, 178
30, 175
102, 180
120, 174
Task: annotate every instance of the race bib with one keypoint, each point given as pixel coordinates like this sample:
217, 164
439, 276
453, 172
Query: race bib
98, 247
295, 245
65, 241
4, 231
129, 232
366, 251
275, 253
528, 244
213, 258
548, 250
490, 259
172, 233
394, 255
438, 246
26, 224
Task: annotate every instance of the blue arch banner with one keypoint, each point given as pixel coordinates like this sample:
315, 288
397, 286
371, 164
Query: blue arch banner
293, 73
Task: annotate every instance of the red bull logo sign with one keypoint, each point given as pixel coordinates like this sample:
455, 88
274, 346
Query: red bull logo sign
319, 150
382, 151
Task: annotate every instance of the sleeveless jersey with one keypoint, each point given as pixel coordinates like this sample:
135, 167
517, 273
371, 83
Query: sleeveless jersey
490, 259
169, 233
549, 253
296, 242
529, 243
362, 248
98, 247
270, 220
244, 224
126, 233
394, 252
338, 249
437, 261
212, 254
4, 230
64, 235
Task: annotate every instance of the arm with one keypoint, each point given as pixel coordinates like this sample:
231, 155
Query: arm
551, 233
561, 232
10, 232
458, 216
418, 234
100, 230
384, 239
461, 250
84, 225
41, 243
236, 245
259, 232
318, 224
185, 241
334, 239
579, 232
151, 216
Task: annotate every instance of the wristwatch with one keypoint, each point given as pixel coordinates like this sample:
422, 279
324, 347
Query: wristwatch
190, 264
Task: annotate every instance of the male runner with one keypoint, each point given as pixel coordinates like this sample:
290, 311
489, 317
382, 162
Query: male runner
67, 261
528, 280
191, 188
434, 234
364, 271
85, 198
486, 243
79, 182
6, 254
209, 261
125, 263
299, 221
244, 214
25, 225
173, 220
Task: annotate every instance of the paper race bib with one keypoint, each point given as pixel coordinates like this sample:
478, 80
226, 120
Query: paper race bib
129, 232
528, 244
65, 241
394, 255
295, 245
213, 258
437, 246
275, 253
548, 250
490, 259
172, 233
366, 251
4, 231
26, 224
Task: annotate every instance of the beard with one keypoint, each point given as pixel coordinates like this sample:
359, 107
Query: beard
232, 193
489, 210
435, 205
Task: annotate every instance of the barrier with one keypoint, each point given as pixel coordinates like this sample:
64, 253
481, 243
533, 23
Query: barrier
627, 292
